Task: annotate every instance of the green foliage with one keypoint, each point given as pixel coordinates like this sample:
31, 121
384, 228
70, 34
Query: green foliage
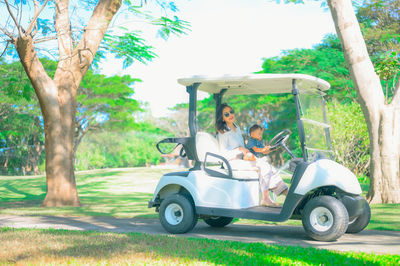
106, 101
113, 149
325, 61
170, 26
349, 135
130, 47
126, 44
21, 134
380, 25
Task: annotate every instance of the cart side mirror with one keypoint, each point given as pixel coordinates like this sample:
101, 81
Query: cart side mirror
168, 145
166, 148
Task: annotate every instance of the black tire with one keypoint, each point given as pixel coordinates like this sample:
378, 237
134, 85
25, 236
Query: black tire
325, 218
359, 223
177, 214
216, 221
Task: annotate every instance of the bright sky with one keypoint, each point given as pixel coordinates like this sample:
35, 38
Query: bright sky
227, 37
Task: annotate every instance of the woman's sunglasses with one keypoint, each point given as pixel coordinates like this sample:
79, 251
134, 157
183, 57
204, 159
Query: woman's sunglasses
231, 112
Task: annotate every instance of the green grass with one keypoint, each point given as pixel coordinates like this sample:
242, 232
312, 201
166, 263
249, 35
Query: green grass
112, 192
55, 247
125, 193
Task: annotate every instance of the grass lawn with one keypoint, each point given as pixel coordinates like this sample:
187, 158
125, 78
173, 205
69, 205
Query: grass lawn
125, 193
64, 247
113, 192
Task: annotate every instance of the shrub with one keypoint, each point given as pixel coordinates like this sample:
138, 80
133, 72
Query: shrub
349, 135
117, 149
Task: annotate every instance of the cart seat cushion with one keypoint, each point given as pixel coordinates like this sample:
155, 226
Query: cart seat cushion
242, 169
205, 142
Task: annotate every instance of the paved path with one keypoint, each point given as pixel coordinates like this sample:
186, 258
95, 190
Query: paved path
369, 241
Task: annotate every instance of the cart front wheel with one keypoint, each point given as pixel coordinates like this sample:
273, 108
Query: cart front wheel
177, 214
325, 218
218, 221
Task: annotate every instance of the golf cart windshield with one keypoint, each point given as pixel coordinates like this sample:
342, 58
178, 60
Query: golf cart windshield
315, 123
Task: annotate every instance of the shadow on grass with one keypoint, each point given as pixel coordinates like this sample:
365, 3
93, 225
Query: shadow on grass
163, 249
22, 192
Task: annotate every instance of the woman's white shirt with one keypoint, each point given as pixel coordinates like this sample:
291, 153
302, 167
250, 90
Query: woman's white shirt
229, 143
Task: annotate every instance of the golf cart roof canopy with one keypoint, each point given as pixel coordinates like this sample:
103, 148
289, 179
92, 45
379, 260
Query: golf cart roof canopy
255, 83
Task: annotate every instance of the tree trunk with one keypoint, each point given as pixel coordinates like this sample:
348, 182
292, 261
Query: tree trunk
61, 186
57, 108
386, 158
382, 118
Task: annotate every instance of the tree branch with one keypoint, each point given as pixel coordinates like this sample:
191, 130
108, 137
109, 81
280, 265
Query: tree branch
44, 87
8, 34
5, 49
20, 29
11, 14
63, 29
33, 23
94, 32
45, 39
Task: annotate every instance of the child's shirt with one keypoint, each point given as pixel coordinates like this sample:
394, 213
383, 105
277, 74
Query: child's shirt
255, 143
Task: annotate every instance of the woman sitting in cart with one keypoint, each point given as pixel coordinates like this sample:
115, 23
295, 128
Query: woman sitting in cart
232, 146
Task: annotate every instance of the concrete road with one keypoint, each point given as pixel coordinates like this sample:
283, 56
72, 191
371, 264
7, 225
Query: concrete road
369, 241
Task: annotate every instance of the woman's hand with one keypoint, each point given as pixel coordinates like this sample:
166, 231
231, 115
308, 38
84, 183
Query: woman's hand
249, 157
243, 150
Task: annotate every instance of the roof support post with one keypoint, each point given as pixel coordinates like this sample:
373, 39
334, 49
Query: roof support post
300, 126
327, 131
192, 90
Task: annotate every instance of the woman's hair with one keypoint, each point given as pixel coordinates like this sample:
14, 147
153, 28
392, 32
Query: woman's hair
220, 124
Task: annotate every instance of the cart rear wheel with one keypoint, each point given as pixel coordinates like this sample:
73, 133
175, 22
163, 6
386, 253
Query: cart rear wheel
359, 223
218, 221
177, 214
325, 218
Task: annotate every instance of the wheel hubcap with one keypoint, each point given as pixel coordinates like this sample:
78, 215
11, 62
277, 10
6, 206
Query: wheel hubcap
174, 214
321, 219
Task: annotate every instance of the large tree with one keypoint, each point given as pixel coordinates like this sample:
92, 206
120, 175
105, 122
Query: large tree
382, 115
75, 50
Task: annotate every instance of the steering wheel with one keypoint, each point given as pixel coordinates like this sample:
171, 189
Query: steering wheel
279, 139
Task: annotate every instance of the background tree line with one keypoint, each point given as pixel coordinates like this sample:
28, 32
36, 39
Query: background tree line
121, 134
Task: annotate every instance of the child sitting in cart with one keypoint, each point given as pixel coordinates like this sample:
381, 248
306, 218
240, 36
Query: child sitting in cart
257, 147
255, 144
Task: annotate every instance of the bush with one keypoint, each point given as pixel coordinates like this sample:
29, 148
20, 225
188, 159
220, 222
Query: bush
117, 149
349, 135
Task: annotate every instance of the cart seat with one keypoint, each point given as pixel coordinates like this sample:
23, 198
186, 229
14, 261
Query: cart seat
241, 169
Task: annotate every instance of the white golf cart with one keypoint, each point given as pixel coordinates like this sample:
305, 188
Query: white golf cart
324, 194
